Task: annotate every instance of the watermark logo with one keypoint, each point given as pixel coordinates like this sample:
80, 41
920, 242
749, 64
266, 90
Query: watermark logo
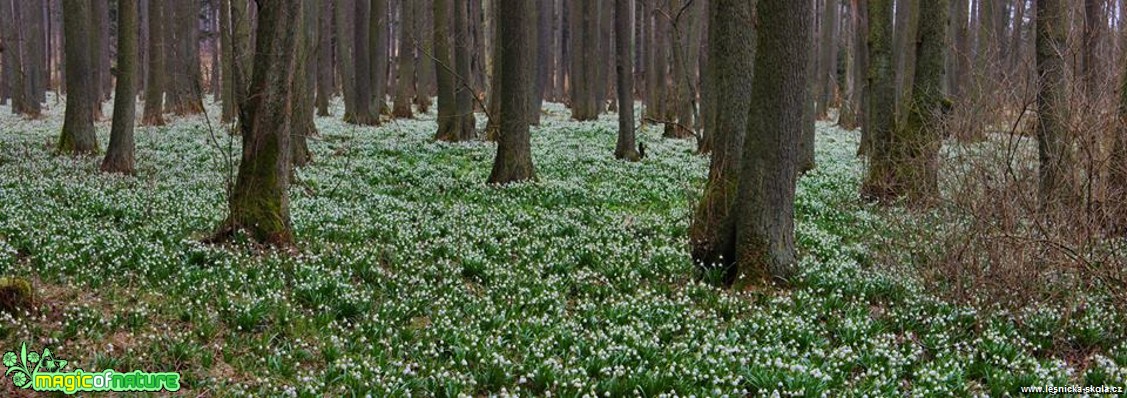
43, 372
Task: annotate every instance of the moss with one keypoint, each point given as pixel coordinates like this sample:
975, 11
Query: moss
16, 295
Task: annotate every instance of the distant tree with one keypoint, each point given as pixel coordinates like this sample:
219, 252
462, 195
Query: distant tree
543, 57
78, 122
765, 204
154, 88
679, 119
18, 57
624, 66
1056, 165
585, 61
186, 95
916, 145
463, 90
514, 152
448, 119
880, 120
405, 84
379, 35
258, 203
713, 231
119, 156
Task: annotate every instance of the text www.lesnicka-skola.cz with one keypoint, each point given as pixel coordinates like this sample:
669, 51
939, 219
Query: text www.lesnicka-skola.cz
1074, 389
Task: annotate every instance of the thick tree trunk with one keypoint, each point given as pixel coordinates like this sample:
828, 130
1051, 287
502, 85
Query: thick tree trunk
584, 73
624, 67
78, 122
405, 83
881, 119
259, 203
154, 88
363, 113
712, 234
915, 146
119, 156
1056, 167
514, 152
765, 210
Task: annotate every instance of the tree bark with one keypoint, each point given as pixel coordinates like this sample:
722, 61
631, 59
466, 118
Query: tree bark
624, 66
259, 203
324, 58
380, 39
119, 155
345, 12
765, 226
1055, 165
154, 88
424, 75
78, 122
543, 58
405, 83
881, 119
712, 234
827, 75
363, 111
447, 109
227, 92
514, 153
304, 80
463, 91
915, 151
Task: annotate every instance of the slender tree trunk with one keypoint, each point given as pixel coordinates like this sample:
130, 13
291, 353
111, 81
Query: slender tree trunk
305, 75
324, 58
827, 75
1090, 61
543, 58
1052, 137
259, 203
681, 127
154, 89
961, 44
765, 205
228, 62
463, 91
345, 12
448, 119
78, 122
850, 104
514, 152
405, 83
425, 72
380, 40
35, 55
119, 155
712, 234
624, 67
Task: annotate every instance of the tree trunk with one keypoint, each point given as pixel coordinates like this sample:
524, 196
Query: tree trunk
448, 120
681, 127
624, 66
463, 91
186, 74
827, 75
765, 209
34, 55
363, 111
1090, 61
916, 146
881, 119
78, 122
424, 79
1117, 176
304, 81
259, 203
1052, 134
380, 40
405, 83
543, 59
731, 59
324, 58
961, 49
345, 13
154, 88
850, 104
119, 156
586, 61
227, 93
514, 153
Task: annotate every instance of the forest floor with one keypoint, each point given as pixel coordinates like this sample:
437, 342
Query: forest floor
413, 277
